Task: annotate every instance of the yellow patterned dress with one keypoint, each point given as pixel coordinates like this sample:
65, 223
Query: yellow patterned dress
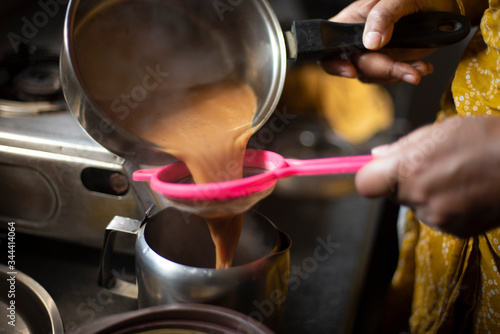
454, 284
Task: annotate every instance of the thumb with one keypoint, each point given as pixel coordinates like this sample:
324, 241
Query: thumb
380, 22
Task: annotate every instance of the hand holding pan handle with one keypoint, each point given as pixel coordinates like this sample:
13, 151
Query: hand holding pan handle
311, 40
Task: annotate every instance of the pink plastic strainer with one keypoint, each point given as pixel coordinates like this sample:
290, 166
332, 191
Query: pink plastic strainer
267, 167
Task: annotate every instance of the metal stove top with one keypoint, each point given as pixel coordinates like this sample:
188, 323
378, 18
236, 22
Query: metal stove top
57, 181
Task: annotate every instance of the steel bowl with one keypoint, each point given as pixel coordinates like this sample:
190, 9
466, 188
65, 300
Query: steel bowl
27, 306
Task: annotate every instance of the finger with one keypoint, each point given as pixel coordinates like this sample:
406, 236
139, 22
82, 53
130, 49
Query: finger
339, 67
423, 67
390, 81
376, 66
346, 69
380, 22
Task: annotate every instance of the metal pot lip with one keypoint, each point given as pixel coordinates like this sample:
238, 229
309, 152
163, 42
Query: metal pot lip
212, 319
281, 54
283, 238
67, 46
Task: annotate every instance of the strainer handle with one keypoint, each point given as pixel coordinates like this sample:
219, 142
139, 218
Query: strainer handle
323, 166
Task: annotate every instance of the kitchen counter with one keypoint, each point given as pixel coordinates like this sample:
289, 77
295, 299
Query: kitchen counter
332, 242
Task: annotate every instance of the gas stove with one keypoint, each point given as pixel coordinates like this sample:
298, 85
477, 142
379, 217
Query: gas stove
56, 181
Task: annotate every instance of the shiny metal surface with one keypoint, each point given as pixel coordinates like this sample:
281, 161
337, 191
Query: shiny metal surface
175, 259
33, 311
246, 37
16, 108
42, 160
178, 319
257, 276
107, 278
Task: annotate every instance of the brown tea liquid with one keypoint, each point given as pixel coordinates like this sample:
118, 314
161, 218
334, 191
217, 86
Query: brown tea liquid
209, 130
141, 74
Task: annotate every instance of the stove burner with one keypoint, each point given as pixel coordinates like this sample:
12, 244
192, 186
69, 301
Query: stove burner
29, 83
37, 82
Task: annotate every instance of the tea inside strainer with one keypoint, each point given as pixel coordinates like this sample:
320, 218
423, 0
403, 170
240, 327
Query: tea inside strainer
262, 169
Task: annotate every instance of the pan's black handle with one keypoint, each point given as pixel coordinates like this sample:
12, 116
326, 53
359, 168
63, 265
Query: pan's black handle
320, 39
